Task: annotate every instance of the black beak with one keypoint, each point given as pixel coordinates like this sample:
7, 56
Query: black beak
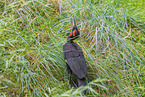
74, 22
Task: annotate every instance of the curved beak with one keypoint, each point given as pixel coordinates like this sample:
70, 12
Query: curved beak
74, 22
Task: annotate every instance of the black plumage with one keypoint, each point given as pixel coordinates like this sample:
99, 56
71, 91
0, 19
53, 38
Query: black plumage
76, 63
75, 59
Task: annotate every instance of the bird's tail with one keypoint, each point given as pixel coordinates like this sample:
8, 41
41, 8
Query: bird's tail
82, 82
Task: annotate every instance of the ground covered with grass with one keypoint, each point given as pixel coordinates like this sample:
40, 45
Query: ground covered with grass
32, 35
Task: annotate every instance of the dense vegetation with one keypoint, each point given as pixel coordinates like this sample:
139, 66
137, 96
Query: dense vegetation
33, 32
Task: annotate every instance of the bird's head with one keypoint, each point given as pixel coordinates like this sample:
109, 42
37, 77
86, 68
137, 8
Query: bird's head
74, 33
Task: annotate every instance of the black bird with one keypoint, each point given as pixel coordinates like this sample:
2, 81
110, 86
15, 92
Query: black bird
75, 60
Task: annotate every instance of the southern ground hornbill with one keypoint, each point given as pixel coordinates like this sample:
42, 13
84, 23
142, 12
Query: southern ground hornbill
75, 60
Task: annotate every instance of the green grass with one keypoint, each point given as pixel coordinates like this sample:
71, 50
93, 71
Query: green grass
32, 35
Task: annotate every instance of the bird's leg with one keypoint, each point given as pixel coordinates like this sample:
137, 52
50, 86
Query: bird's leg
69, 80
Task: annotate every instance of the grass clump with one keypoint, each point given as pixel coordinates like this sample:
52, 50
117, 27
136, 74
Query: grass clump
33, 33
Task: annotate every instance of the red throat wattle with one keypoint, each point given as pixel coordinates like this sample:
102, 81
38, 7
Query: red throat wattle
72, 33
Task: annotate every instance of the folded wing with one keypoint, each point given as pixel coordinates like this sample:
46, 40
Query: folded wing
75, 59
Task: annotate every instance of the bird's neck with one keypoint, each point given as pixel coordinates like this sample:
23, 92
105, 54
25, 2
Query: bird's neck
71, 41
